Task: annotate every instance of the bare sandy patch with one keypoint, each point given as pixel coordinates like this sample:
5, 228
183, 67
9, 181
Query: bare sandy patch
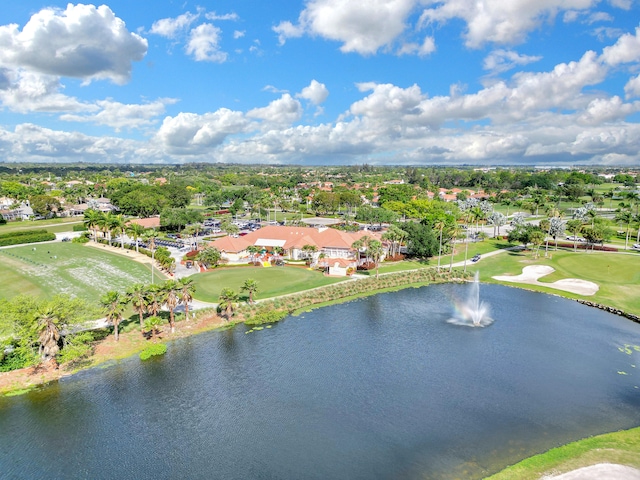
532, 273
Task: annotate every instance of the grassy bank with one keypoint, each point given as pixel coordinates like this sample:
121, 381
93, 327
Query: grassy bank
619, 447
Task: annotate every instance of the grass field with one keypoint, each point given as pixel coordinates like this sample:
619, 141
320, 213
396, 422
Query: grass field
70, 268
617, 275
54, 225
272, 281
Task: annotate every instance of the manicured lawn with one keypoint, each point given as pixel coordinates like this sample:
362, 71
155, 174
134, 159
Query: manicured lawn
485, 246
54, 225
272, 281
70, 268
617, 275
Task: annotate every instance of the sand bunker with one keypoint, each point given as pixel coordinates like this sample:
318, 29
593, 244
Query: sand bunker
602, 471
532, 273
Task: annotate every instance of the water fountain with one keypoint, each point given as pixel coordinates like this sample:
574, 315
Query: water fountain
473, 312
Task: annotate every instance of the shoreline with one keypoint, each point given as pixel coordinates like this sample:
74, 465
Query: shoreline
33, 377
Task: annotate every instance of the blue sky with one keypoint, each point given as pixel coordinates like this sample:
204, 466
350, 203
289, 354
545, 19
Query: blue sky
410, 82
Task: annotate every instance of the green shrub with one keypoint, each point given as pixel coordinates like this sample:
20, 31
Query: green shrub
81, 239
20, 237
153, 350
79, 228
266, 317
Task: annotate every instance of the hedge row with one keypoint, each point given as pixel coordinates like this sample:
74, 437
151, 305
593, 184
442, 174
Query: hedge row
290, 303
587, 246
22, 233
33, 238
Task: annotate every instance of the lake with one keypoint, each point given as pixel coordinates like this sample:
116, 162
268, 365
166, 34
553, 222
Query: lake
379, 388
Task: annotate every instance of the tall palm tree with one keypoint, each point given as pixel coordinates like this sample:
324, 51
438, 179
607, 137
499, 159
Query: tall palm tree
136, 295
455, 231
150, 236
226, 300
114, 303
136, 231
251, 286
119, 225
187, 290
171, 290
92, 220
625, 217
439, 225
376, 252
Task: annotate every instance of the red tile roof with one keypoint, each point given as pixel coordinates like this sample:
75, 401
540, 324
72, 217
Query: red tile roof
294, 237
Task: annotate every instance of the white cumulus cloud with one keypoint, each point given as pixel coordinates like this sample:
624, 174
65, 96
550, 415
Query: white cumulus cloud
499, 21
502, 60
204, 44
82, 41
123, 116
189, 133
283, 111
171, 27
362, 27
625, 50
316, 92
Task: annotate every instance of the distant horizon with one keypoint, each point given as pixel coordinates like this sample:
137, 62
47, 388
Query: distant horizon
322, 83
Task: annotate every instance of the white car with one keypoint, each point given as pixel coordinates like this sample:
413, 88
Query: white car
636, 246
576, 239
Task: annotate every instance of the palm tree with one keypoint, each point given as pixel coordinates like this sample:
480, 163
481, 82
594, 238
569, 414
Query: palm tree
309, 250
92, 220
439, 225
376, 252
114, 303
455, 231
253, 250
136, 295
625, 216
118, 224
537, 238
153, 299
251, 286
575, 226
226, 300
186, 291
136, 231
171, 290
48, 333
150, 238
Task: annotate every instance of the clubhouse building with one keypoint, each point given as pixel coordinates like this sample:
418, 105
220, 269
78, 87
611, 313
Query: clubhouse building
332, 247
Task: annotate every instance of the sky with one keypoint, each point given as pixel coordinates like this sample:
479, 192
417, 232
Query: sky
321, 82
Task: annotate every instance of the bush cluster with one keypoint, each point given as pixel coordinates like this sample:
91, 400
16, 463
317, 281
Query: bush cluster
153, 350
26, 236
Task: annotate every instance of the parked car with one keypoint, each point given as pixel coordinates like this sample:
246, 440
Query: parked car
576, 239
636, 246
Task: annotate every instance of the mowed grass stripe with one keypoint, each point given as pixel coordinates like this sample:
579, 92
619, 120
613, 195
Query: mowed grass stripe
272, 281
48, 269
